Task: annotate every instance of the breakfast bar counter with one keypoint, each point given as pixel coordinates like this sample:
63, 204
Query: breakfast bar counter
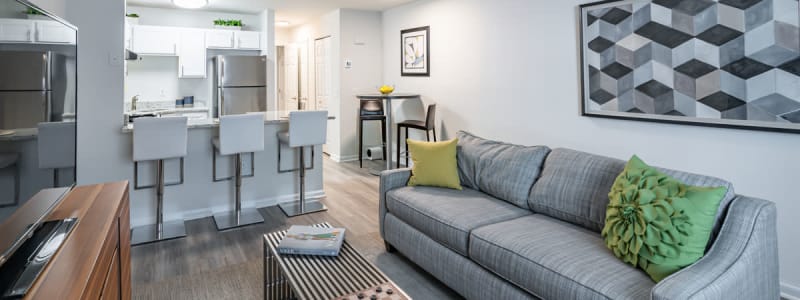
200, 196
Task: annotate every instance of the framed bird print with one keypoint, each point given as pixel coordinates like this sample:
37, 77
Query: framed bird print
416, 48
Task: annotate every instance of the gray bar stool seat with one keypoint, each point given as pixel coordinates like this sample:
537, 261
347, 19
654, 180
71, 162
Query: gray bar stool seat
158, 139
306, 129
56, 145
238, 134
7, 161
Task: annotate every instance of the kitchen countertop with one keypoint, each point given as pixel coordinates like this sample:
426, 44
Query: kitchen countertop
20, 135
172, 110
270, 117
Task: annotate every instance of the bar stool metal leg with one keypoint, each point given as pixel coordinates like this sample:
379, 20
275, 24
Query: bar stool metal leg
238, 217
159, 231
292, 209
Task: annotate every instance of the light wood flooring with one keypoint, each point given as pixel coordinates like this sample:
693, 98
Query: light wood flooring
228, 265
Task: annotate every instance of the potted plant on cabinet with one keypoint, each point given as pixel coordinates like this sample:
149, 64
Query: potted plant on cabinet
132, 19
35, 14
228, 24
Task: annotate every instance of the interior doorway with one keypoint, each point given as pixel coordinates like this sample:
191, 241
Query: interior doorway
323, 84
293, 77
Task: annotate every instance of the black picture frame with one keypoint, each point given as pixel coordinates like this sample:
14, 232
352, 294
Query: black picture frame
582, 14
425, 69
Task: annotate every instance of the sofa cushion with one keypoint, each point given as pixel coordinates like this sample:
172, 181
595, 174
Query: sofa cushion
552, 259
574, 187
447, 215
499, 169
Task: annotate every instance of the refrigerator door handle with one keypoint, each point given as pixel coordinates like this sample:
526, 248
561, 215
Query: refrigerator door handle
221, 107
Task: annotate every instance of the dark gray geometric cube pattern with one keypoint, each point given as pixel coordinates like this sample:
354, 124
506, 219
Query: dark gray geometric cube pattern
723, 59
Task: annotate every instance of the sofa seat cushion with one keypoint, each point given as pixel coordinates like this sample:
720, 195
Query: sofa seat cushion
552, 259
448, 216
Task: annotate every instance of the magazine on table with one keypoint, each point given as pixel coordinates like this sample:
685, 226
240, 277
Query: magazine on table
309, 240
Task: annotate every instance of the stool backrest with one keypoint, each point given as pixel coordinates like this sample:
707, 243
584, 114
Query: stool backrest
241, 133
159, 138
371, 107
307, 128
56, 144
430, 117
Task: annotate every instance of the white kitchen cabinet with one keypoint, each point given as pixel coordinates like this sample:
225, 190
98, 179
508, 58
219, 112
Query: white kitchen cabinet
248, 40
53, 32
16, 30
192, 54
155, 40
220, 39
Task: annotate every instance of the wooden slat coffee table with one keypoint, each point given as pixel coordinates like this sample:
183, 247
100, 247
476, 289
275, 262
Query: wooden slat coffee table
347, 276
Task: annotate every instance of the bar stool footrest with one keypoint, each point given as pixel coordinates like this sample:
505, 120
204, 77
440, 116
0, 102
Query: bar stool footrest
227, 220
292, 209
149, 233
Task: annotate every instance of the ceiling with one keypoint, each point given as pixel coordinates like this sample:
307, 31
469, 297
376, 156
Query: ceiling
295, 12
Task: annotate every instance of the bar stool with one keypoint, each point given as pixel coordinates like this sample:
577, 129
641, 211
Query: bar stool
428, 125
56, 144
238, 134
8, 161
370, 110
306, 128
158, 139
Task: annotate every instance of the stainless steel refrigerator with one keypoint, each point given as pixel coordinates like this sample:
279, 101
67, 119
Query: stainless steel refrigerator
32, 88
240, 84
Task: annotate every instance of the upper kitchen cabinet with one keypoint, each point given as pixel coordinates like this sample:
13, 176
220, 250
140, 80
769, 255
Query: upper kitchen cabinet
220, 39
248, 40
54, 32
155, 40
192, 54
16, 30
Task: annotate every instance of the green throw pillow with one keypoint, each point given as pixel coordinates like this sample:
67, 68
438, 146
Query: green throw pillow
656, 222
435, 164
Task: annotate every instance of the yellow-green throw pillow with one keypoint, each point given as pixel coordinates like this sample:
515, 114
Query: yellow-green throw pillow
435, 164
656, 222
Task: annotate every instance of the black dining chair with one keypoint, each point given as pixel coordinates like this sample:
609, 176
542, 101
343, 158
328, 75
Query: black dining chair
428, 125
370, 110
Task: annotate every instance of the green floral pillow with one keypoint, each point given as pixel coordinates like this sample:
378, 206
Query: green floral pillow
656, 222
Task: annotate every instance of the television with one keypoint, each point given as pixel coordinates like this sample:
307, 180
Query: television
38, 118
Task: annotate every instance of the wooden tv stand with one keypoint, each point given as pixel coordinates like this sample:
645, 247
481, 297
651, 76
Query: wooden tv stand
95, 260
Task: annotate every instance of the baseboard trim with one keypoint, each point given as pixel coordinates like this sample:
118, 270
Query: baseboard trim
789, 291
341, 159
210, 211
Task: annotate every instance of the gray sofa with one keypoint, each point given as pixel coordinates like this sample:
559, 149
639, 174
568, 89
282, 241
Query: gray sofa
527, 225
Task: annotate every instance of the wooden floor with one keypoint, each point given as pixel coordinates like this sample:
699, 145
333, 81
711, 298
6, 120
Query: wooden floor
228, 265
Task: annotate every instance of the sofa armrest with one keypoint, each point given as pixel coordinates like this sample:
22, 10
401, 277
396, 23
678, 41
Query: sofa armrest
390, 179
741, 264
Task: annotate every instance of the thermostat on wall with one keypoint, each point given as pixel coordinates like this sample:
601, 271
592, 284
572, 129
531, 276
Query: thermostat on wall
348, 64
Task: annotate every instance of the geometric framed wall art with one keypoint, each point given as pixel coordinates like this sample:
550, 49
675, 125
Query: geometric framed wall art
724, 63
415, 54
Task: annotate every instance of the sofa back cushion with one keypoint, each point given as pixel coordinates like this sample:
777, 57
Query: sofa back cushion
574, 188
502, 170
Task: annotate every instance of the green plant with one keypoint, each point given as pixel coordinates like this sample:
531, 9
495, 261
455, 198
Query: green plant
33, 11
132, 15
222, 22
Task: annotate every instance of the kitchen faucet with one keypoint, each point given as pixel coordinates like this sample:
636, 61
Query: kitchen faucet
134, 101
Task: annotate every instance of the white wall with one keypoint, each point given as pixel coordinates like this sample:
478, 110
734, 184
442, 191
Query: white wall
362, 43
508, 70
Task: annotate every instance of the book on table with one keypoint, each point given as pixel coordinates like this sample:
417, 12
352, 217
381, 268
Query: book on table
309, 240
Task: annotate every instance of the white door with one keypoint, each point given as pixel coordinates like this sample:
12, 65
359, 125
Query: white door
13, 30
155, 40
322, 81
192, 54
303, 69
291, 82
